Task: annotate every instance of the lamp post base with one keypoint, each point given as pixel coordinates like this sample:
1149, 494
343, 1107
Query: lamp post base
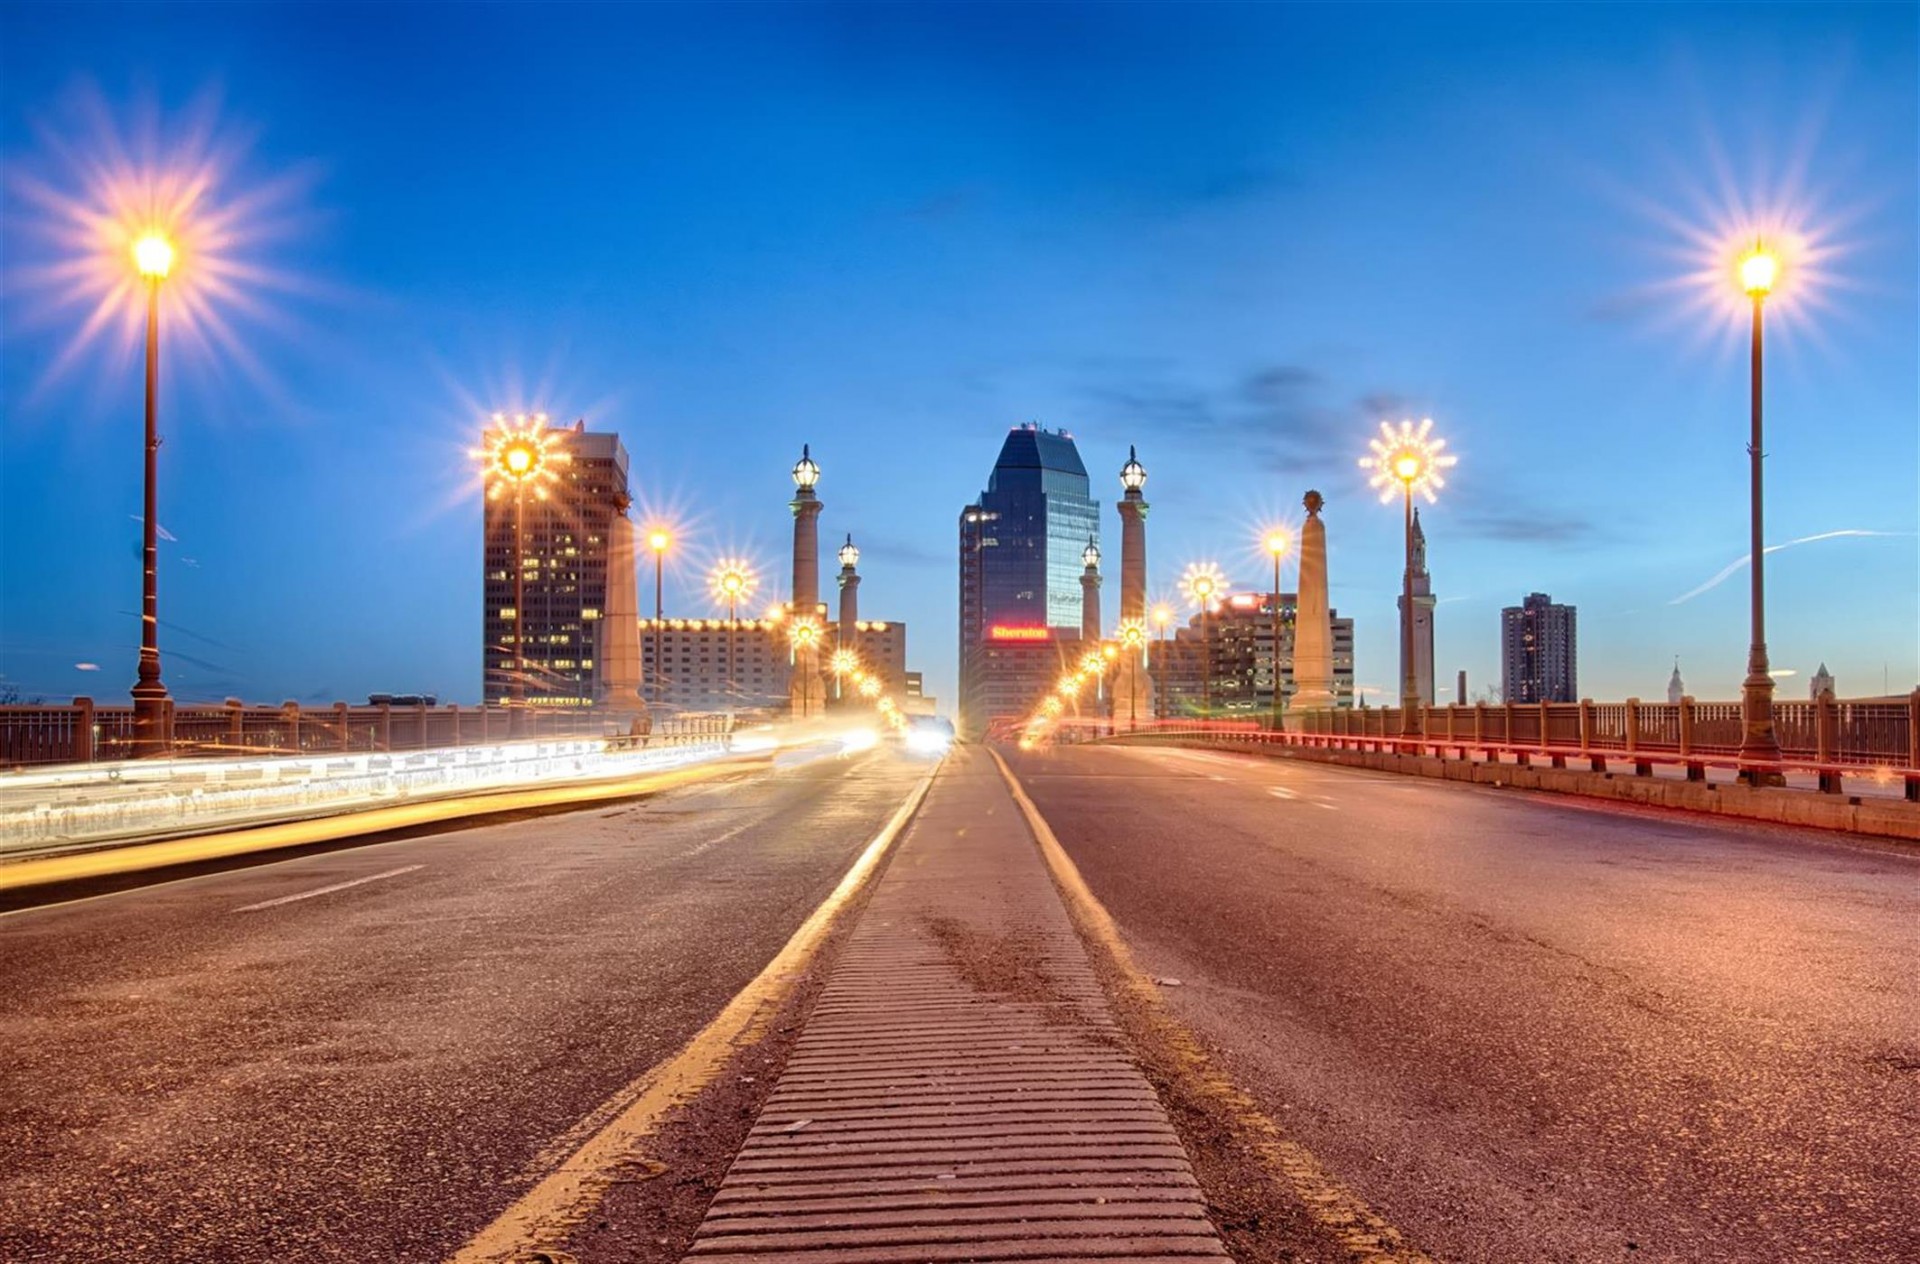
150, 735
1759, 745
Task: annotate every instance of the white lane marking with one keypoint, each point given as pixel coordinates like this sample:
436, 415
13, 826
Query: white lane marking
1281, 792
1322, 803
338, 886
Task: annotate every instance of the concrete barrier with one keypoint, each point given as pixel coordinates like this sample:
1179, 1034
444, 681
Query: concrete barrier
99, 804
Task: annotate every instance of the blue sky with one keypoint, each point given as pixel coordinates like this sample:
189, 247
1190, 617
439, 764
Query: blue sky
1234, 236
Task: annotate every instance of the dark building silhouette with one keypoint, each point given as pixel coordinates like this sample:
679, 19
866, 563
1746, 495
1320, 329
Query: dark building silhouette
1538, 652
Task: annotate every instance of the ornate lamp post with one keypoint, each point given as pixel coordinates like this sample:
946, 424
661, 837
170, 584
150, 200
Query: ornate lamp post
1278, 542
1408, 459
1759, 746
519, 456
732, 582
153, 258
659, 540
1203, 584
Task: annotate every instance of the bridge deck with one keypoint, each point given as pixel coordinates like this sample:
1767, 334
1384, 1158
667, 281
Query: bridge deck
960, 1090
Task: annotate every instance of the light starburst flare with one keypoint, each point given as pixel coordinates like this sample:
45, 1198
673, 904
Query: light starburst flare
1203, 585
520, 453
732, 581
1407, 459
115, 206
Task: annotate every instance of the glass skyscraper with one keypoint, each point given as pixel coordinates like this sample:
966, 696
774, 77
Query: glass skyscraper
1020, 547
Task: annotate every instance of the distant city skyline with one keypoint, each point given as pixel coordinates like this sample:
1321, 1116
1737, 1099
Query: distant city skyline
1198, 231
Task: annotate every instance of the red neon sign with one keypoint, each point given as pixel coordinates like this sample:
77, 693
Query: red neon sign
1015, 632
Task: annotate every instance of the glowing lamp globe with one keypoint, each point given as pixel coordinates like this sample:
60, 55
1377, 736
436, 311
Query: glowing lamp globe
153, 256
1090, 556
849, 554
658, 540
1133, 475
805, 472
1758, 271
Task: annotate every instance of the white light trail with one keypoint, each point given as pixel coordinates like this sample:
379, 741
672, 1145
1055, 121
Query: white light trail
1727, 572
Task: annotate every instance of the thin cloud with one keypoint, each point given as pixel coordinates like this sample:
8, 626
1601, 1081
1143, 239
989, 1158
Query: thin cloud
1730, 569
1279, 414
1519, 526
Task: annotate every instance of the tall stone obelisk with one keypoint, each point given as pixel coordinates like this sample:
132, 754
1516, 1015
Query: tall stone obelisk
618, 647
1132, 686
806, 690
1313, 621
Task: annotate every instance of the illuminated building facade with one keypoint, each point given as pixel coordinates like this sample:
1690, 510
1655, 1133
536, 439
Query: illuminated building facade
1239, 651
1021, 547
566, 548
1538, 652
693, 661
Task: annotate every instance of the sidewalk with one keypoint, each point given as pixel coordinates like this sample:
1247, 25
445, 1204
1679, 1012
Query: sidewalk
960, 1091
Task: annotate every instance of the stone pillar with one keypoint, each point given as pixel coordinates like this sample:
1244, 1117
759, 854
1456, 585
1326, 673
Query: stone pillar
617, 646
1132, 682
1313, 618
806, 690
849, 594
1090, 595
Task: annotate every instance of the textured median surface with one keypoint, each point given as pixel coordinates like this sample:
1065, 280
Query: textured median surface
960, 1092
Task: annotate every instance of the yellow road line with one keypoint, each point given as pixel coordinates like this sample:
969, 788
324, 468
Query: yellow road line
1367, 1238
622, 1124
111, 860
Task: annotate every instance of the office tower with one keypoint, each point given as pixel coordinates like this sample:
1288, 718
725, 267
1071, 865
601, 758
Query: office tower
1538, 652
1021, 560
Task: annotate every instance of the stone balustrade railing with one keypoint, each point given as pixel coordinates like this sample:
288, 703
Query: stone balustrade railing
1827, 737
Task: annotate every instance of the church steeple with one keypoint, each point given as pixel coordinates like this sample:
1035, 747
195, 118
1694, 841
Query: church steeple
1676, 687
1419, 545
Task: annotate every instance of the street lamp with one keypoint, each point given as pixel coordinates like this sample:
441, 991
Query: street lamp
1759, 746
659, 539
519, 455
1278, 542
804, 635
843, 664
153, 259
1408, 458
1203, 583
1133, 639
732, 582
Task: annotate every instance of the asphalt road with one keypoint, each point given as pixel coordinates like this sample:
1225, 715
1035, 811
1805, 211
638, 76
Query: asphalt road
271, 1064
1523, 1029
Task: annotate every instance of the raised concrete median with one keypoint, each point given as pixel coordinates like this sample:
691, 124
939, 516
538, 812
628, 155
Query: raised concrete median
960, 1091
